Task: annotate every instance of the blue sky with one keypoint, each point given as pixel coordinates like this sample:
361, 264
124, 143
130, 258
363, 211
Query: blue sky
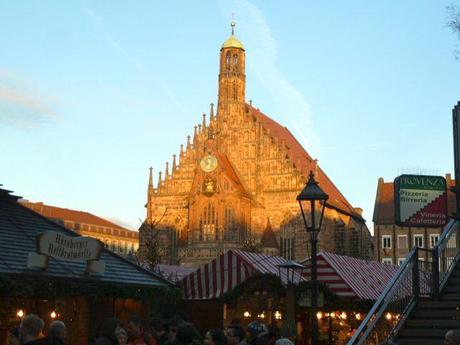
92, 93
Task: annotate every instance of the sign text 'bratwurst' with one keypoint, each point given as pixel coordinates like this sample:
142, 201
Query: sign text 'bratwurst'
60, 246
420, 200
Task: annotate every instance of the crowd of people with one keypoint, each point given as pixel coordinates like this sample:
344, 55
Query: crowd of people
135, 332
112, 332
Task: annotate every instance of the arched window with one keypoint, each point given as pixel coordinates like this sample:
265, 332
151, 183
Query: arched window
227, 58
235, 59
231, 226
229, 217
208, 223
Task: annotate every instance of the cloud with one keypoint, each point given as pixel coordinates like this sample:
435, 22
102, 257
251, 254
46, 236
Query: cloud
102, 29
358, 146
258, 35
22, 105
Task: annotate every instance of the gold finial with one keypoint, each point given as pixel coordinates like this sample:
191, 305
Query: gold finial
233, 24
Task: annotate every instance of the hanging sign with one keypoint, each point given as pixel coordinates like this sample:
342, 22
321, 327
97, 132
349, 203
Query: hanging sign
420, 201
67, 248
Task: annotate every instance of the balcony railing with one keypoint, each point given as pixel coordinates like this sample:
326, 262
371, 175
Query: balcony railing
415, 278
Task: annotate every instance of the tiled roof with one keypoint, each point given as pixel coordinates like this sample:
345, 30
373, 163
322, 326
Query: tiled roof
351, 277
19, 227
384, 209
304, 162
70, 215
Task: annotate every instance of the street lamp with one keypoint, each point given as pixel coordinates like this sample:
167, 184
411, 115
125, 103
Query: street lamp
312, 201
290, 267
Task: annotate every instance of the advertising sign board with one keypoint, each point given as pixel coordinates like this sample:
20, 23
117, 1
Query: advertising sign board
420, 201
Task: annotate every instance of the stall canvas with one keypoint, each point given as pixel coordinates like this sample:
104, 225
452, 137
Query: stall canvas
221, 275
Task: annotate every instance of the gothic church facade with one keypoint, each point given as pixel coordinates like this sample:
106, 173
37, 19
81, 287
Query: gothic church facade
235, 183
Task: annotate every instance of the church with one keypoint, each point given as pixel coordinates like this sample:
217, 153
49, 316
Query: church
234, 184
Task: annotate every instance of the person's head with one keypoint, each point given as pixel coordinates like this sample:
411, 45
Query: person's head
57, 330
215, 337
13, 337
273, 332
31, 328
186, 333
172, 329
157, 327
135, 328
109, 327
121, 336
234, 333
254, 329
452, 337
284, 341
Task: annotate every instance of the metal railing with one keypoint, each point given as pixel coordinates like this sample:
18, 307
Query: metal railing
445, 256
415, 278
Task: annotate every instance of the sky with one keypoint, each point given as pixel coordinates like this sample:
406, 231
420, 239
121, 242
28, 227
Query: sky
93, 93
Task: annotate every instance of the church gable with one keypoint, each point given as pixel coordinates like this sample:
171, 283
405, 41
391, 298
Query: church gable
236, 171
214, 174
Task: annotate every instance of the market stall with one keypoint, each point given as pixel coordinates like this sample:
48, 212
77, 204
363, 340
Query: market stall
349, 288
51, 271
238, 285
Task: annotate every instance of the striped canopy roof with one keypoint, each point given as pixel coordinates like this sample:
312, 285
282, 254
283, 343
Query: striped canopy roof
224, 273
350, 277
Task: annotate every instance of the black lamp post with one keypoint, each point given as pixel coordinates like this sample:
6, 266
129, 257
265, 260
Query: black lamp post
290, 268
312, 201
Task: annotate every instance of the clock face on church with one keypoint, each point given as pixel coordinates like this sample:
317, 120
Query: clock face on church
208, 163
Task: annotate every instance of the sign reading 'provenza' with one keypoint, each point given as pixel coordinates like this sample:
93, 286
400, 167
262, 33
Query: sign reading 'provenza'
421, 201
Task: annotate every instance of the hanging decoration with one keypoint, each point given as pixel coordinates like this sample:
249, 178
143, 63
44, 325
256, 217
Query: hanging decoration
22, 287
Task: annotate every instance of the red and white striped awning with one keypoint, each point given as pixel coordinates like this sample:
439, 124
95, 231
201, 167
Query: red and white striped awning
350, 277
224, 273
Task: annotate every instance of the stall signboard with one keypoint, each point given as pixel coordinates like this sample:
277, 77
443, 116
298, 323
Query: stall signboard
420, 201
67, 248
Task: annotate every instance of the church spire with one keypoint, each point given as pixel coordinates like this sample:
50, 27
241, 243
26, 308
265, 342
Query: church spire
203, 127
150, 195
159, 179
211, 113
150, 178
173, 164
232, 78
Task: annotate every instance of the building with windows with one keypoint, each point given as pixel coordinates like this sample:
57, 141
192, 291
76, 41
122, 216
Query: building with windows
391, 242
118, 239
235, 182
